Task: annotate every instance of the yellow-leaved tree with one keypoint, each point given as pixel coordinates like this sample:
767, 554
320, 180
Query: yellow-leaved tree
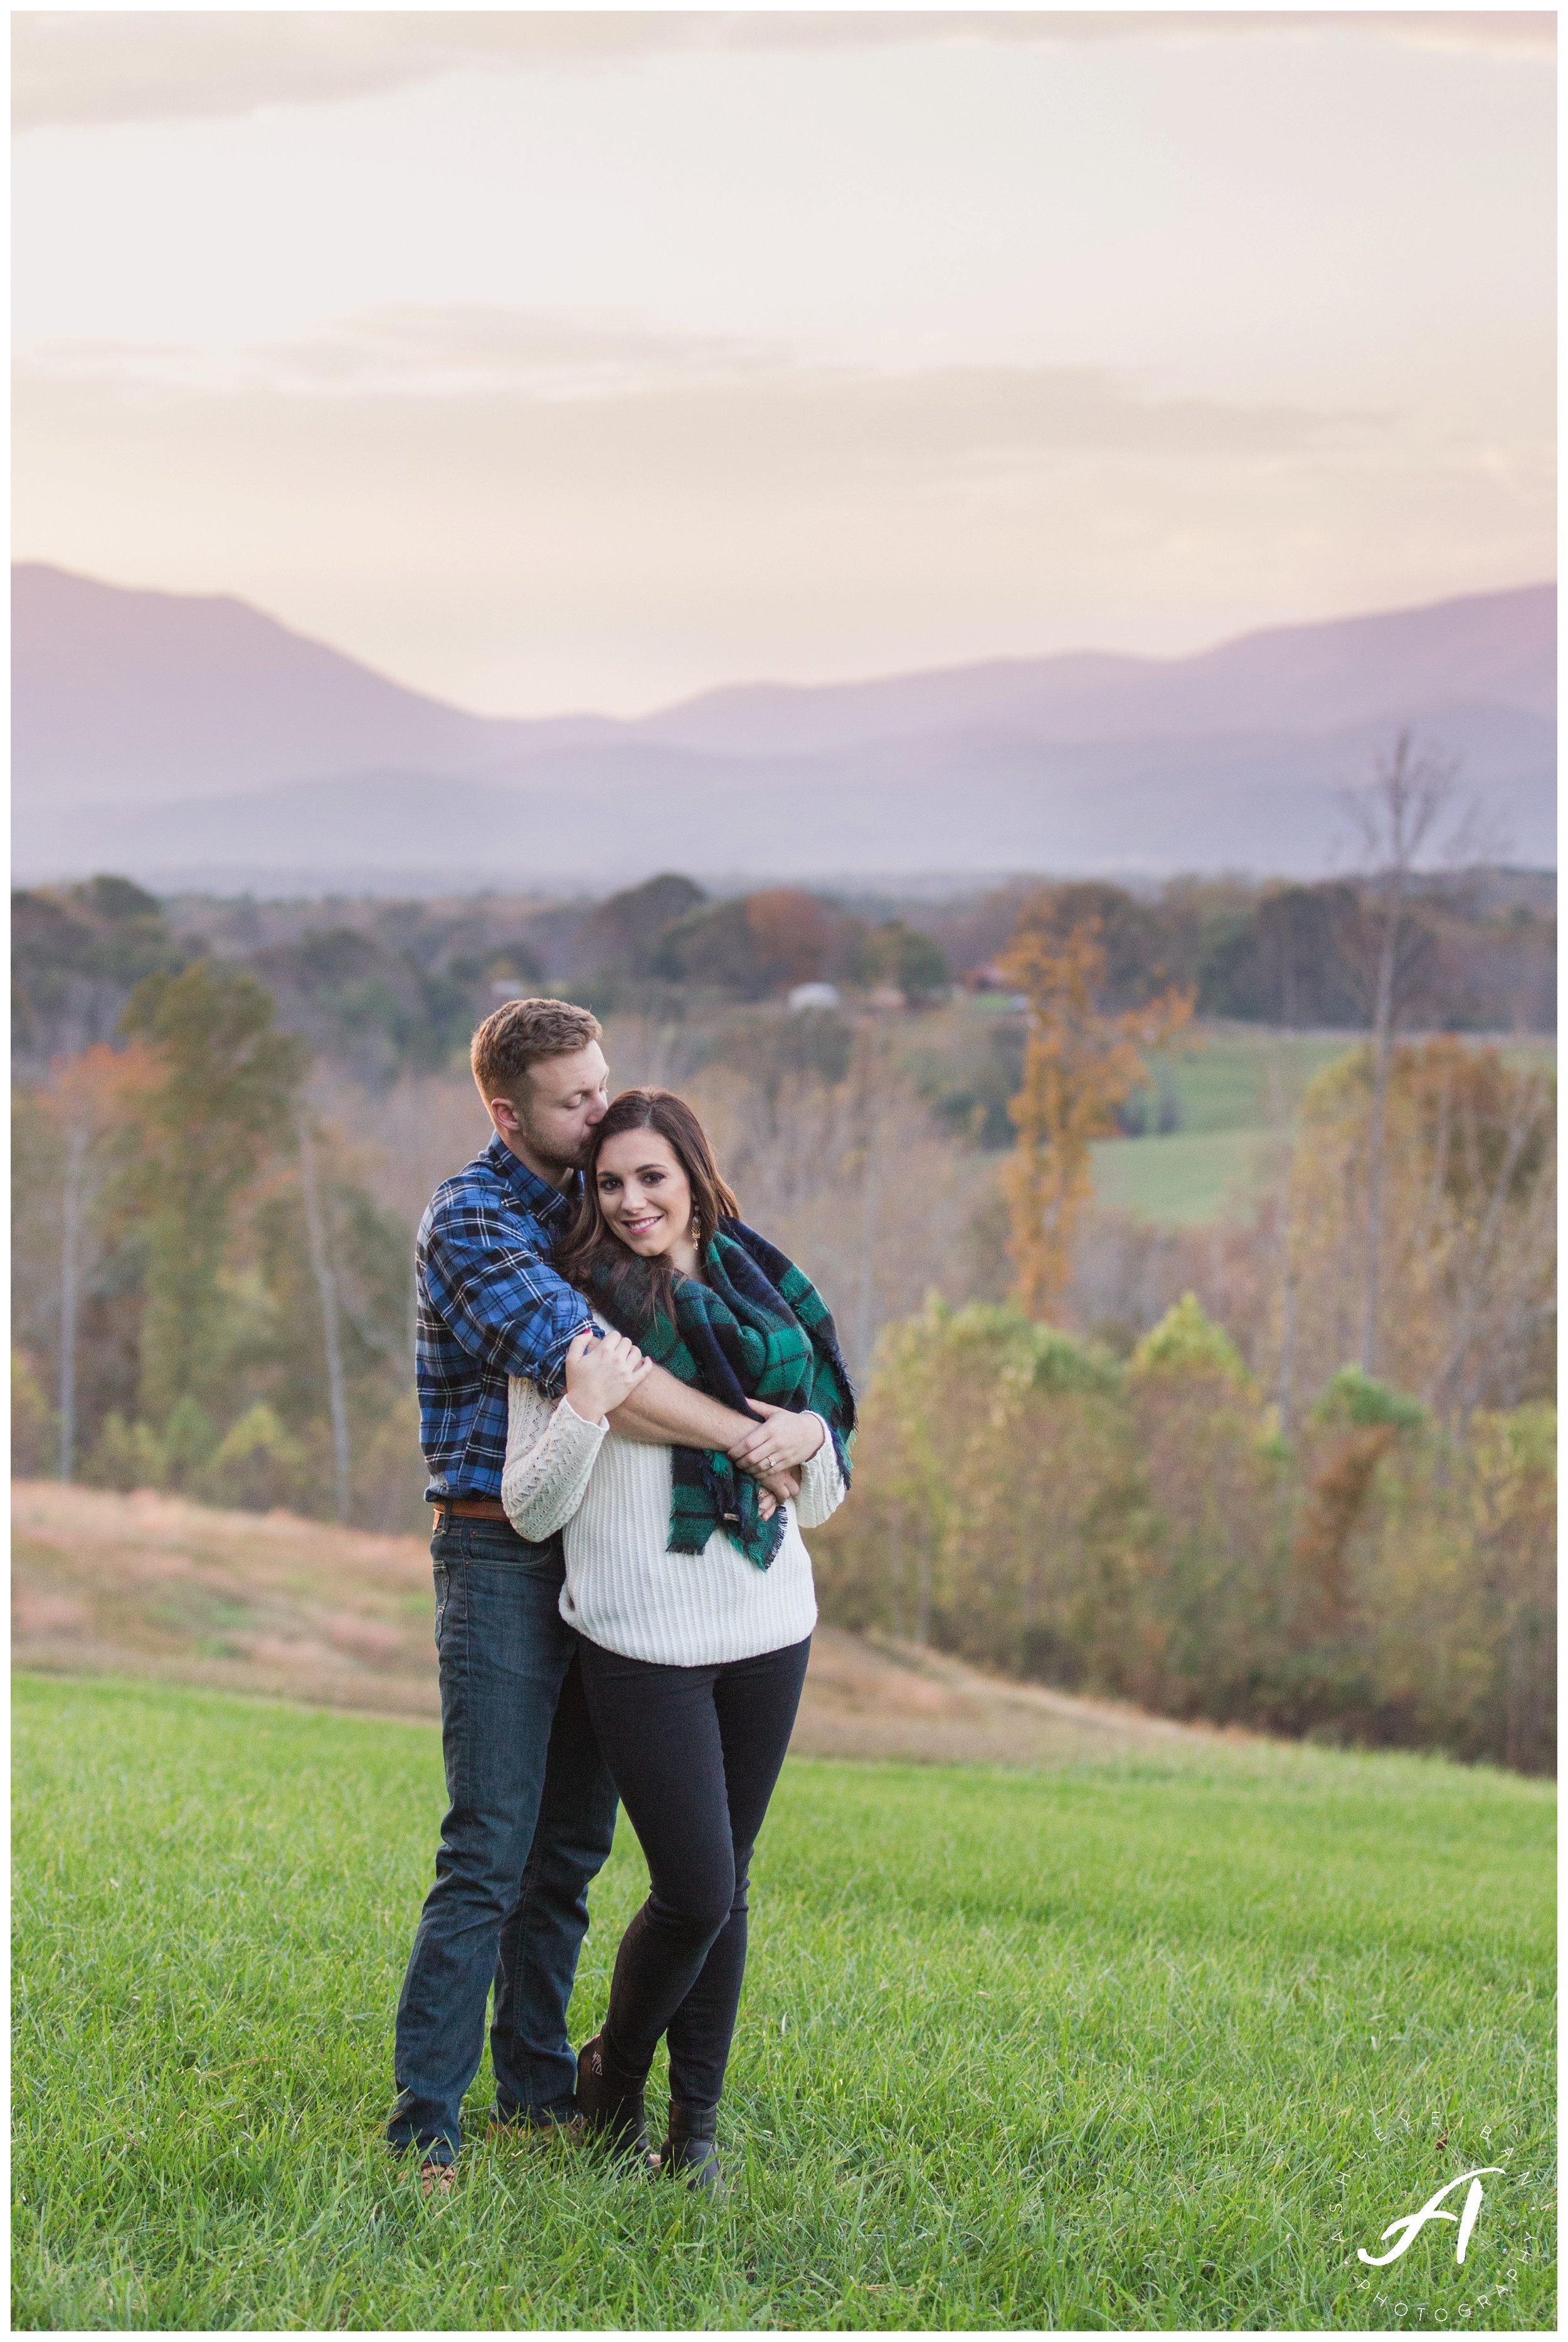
1081, 1062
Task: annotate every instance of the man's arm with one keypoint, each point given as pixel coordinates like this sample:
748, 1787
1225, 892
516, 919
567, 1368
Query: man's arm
498, 1300
663, 1412
515, 1314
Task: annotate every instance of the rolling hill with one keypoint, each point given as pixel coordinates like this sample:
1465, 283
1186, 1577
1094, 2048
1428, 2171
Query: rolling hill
280, 1608
191, 740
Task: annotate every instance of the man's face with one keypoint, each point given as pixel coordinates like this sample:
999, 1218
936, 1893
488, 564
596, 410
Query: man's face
561, 1099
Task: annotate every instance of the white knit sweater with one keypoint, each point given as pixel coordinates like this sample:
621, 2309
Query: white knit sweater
624, 1588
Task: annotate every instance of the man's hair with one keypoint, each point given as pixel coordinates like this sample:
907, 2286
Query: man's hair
515, 1037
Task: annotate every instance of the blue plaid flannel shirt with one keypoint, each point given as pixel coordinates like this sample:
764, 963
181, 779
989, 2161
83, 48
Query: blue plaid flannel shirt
490, 1306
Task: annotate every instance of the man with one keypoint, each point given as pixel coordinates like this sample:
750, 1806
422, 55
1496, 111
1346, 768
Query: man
532, 1809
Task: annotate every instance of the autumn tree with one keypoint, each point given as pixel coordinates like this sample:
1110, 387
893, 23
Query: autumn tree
897, 954
89, 1101
1080, 1063
752, 944
621, 936
1399, 814
221, 1102
1143, 1530
323, 1270
328, 1352
1468, 1248
77, 951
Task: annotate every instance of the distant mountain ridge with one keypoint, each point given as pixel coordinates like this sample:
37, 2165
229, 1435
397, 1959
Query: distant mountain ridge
1497, 647
191, 738
123, 695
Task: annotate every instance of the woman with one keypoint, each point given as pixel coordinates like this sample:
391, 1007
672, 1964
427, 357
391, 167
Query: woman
689, 1587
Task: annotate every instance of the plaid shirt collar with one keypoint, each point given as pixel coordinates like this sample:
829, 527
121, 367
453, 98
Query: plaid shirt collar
551, 1205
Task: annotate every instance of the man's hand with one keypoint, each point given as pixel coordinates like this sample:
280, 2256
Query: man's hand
782, 1442
663, 1413
601, 1374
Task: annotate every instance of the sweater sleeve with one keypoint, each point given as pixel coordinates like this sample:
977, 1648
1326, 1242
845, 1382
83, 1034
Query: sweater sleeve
549, 1453
822, 1488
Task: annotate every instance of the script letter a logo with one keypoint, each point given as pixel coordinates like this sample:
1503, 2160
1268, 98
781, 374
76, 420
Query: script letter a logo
1413, 2222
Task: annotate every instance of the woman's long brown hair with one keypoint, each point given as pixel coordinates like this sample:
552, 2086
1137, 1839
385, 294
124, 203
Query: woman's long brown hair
591, 1238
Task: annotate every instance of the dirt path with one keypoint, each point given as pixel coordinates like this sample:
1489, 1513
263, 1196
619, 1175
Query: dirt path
270, 1604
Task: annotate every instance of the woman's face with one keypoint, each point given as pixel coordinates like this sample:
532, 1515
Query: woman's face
644, 1193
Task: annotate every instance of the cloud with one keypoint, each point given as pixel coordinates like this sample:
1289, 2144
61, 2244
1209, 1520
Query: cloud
420, 353
87, 68
691, 390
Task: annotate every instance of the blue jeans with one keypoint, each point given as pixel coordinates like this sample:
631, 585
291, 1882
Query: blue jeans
530, 1822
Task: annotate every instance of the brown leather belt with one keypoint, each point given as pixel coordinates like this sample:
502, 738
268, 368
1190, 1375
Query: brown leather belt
471, 1508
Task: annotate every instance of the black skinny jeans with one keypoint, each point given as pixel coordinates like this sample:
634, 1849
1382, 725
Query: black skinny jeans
694, 1753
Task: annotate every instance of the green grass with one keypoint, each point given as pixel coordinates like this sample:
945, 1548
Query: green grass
1233, 1091
1110, 2047
1226, 1089
1225, 1082
1244, 1076
1180, 1178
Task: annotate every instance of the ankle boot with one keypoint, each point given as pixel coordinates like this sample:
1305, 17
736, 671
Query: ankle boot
610, 2103
690, 2152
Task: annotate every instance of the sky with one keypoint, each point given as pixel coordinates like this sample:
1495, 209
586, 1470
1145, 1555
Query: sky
551, 362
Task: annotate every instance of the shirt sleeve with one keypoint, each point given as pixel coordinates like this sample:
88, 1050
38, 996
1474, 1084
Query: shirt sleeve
500, 1299
550, 1454
822, 1488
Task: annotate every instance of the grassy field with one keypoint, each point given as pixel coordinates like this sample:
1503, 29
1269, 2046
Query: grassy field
1234, 1077
1228, 1089
1143, 2044
1235, 1091
1180, 1178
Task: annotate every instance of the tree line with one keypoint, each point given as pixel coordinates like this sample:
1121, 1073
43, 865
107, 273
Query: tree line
1317, 1502
392, 988
1357, 1541
206, 1294
1146, 1530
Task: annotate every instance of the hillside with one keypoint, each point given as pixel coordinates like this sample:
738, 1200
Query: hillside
275, 1606
192, 741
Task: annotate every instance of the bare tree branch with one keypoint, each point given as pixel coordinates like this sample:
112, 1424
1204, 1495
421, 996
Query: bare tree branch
1398, 812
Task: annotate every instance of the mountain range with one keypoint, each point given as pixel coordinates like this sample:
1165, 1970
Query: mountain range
193, 741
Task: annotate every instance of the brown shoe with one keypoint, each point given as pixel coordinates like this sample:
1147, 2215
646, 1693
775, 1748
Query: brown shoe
437, 2178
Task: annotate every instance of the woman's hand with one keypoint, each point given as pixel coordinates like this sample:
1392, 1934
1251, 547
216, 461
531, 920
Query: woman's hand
782, 1442
600, 1373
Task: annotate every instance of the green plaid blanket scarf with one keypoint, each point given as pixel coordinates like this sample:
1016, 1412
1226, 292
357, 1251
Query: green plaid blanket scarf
758, 1328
